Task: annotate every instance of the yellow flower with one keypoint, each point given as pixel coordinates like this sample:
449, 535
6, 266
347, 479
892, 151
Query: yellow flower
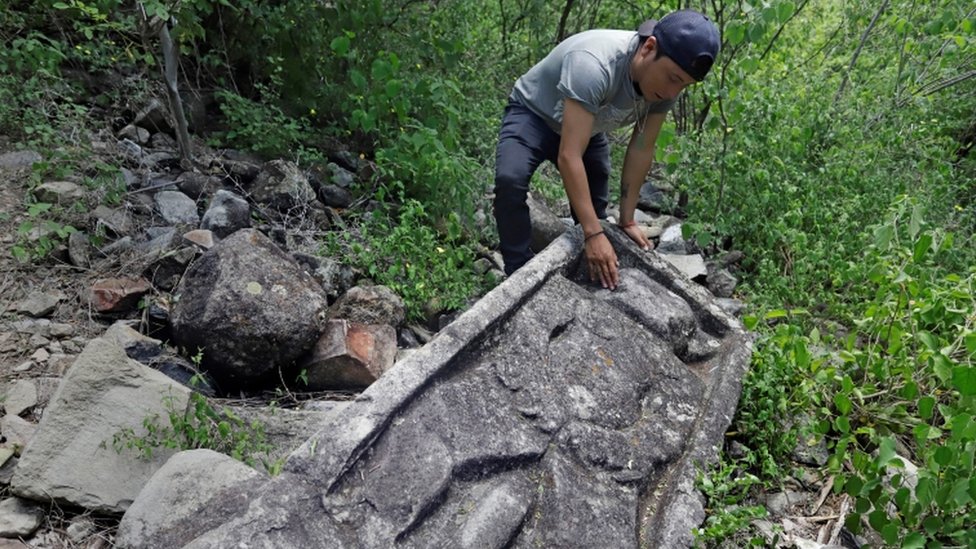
440, 250
311, 112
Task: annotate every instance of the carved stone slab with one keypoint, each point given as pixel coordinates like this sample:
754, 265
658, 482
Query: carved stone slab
553, 413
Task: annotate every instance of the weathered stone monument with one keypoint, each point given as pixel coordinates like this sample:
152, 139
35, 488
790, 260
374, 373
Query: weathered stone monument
553, 413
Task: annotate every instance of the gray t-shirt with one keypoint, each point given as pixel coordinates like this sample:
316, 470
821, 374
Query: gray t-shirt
592, 67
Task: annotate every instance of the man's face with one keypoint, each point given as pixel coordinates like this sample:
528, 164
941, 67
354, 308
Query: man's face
659, 79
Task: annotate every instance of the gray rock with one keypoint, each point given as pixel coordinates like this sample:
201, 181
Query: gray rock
654, 199
250, 306
116, 220
546, 226
197, 185
19, 159
281, 185
370, 305
334, 277
166, 270
672, 242
18, 431
781, 502
79, 249
21, 396
59, 192
335, 196
189, 481
135, 133
202, 238
39, 304
177, 208
340, 176
80, 528
119, 247
691, 266
136, 346
71, 458
227, 213
19, 518
495, 517
721, 282
732, 306
350, 355
161, 240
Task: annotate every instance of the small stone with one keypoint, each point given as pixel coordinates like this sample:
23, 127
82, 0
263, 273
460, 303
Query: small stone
335, 196
177, 208
19, 518
114, 295
200, 237
340, 176
24, 366
80, 528
39, 304
732, 306
19, 159
721, 282
61, 329
59, 192
37, 340
40, 356
79, 249
689, 265
135, 133
21, 396
18, 431
780, 502
117, 221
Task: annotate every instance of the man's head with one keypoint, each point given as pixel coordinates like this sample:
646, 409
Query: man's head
674, 53
689, 38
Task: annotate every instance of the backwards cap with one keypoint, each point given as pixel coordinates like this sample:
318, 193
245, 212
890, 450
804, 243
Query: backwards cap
689, 38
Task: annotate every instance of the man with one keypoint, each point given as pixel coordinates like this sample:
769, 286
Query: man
592, 83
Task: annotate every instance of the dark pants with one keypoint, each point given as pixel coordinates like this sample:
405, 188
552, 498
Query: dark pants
524, 141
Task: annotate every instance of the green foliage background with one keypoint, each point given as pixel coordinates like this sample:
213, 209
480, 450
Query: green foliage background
831, 144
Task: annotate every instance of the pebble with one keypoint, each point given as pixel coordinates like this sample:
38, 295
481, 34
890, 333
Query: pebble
40, 355
21, 396
19, 517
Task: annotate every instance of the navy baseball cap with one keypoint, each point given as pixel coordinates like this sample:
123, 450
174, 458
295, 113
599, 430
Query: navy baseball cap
689, 38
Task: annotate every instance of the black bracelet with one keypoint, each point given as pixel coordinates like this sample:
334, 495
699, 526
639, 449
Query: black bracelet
598, 233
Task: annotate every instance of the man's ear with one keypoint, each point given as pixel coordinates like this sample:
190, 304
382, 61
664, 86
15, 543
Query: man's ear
649, 45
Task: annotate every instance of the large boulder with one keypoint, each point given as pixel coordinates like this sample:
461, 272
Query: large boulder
546, 225
71, 457
249, 307
187, 482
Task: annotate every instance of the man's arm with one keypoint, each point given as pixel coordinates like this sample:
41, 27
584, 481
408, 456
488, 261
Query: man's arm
576, 129
637, 162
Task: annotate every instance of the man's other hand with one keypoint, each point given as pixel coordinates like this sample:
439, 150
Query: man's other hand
636, 233
602, 261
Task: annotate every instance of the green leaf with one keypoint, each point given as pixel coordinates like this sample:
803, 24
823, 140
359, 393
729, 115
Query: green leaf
784, 10
943, 455
843, 403
340, 45
878, 520
929, 341
886, 451
913, 541
932, 524
890, 533
915, 224
922, 247
925, 406
735, 33
750, 322
883, 236
776, 313
924, 491
393, 87
964, 380
358, 80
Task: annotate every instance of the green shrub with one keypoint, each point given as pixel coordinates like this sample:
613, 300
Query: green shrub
430, 271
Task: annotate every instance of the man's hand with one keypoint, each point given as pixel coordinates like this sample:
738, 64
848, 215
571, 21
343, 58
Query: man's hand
601, 260
637, 235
